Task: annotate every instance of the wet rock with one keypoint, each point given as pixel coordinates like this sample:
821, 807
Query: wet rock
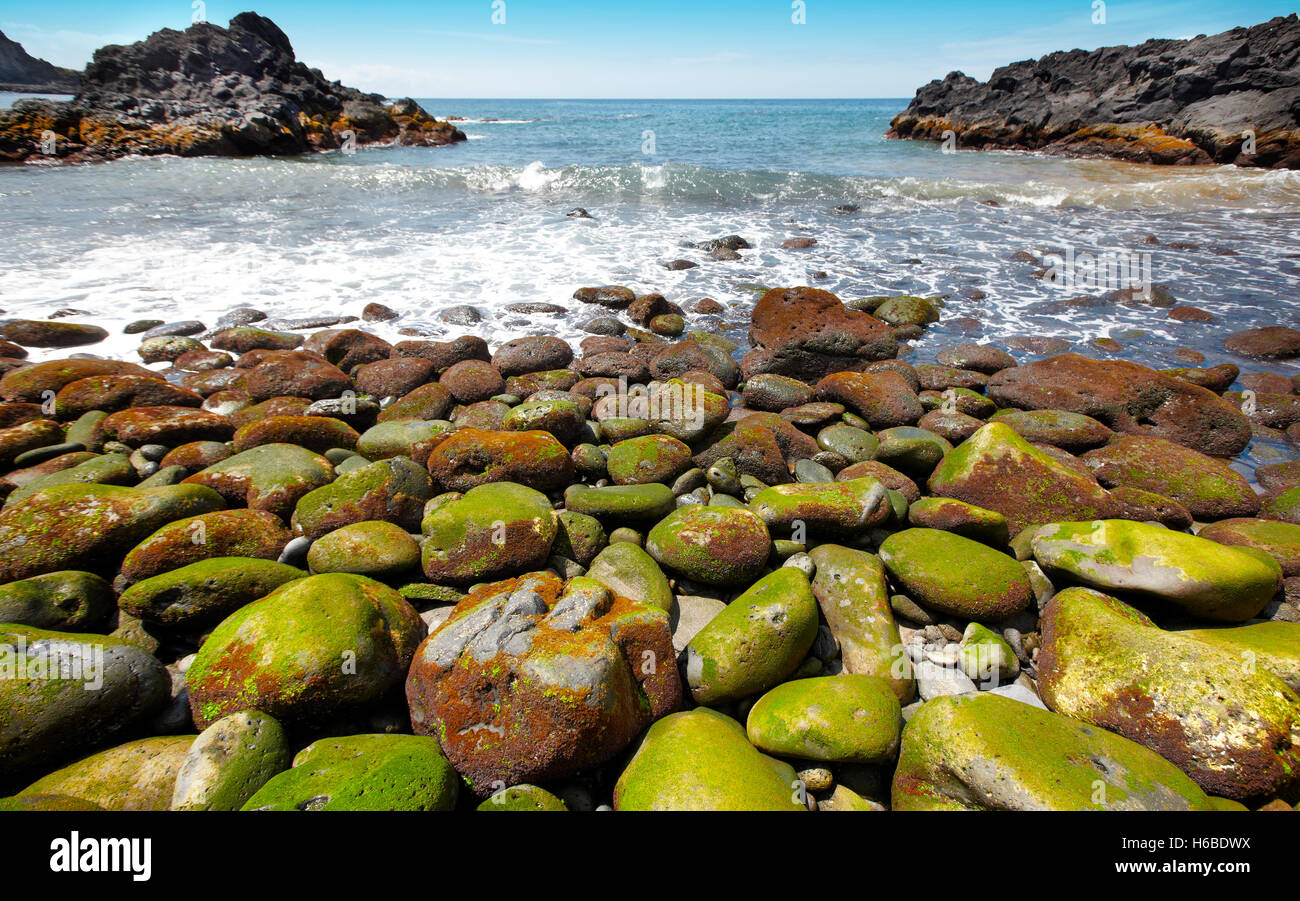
312, 648
1209, 488
837, 719
807, 334
955, 575
1272, 342
271, 477
711, 545
221, 533
202, 594
34, 333
493, 531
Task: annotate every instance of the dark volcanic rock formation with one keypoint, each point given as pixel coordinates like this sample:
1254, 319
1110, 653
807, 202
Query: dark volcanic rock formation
210, 91
1165, 101
20, 71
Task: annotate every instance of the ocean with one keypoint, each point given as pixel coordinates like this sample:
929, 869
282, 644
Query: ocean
483, 223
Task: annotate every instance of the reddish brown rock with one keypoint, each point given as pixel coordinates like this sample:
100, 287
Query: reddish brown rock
1272, 342
168, 426
883, 399
295, 375
1215, 378
807, 334
470, 381
396, 377
111, 393
1128, 398
531, 681
30, 383
17, 414
535, 353
40, 333
196, 455
1189, 314
316, 433
614, 365
753, 448
615, 297
348, 348
445, 354
471, 457
1146, 506
886, 475
976, 357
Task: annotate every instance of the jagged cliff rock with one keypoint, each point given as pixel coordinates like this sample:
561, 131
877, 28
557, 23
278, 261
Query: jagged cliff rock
237, 91
1164, 101
20, 71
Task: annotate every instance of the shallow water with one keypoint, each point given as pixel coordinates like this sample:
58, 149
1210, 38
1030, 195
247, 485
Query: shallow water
483, 223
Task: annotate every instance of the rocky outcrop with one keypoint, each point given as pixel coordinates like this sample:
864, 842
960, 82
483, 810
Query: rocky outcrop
20, 71
236, 91
1227, 98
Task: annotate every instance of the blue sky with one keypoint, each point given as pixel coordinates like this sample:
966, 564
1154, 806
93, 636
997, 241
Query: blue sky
649, 48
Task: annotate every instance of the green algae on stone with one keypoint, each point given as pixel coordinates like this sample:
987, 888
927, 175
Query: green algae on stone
380, 550
311, 648
581, 538
628, 571
523, 797
492, 531
139, 775
652, 458
713, 545
90, 527
1204, 578
701, 760
1207, 486
1280, 540
363, 772
912, 451
1071, 432
827, 508
985, 752
1283, 506
63, 601
222, 533
1226, 722
955, 575
851, 590
837, 719
393, 490
106, 469
205, 592
757, 641
853, 444
398, 437
650, 502
985, 526
905, 309
63, 691
270, 477
230, 761
984, 655
998, 470
562, 418
1273, 646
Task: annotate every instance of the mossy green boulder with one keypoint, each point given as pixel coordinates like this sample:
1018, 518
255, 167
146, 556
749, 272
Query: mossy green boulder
701, 760
1207, 486
311, 648
851, 590
985, 752
363, 772
230, 761
139, 775
562, 417
222, 533
580, 538
90, 527
270, 477
523, 797
955, 575
398, 437
640, 503
984, 656
628, 571
756, 642
828, 508
394, 490
1207, 579
204, 593
492, 531
836, 719
61, 692
711, 545
912, 451
380, 550
64, 601
1226, 722
853, 444
1273, 646
106, 469
998, 470
1280, 540
651, 458
985, 526
905, 309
